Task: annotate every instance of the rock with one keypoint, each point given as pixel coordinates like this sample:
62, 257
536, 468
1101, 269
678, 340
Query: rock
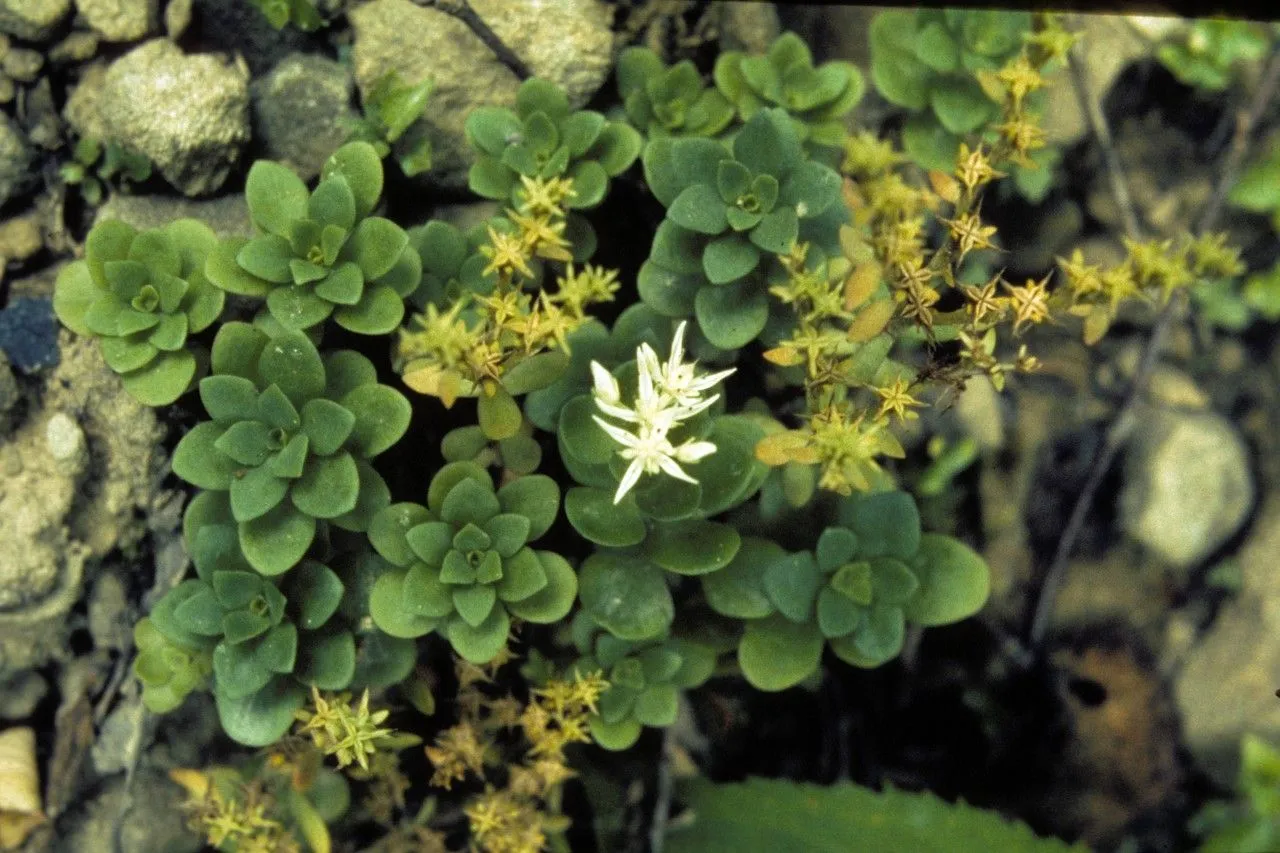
22, 64
1109, 45
29, 333
20, 694
749, 27
227, 215
1227, 686
10, 394
60, 506
33, 20
79, 46
188, 114
177, 17
20, 237
1187, 486
120, 20
16, 157
568, 42
302, 111
144, 814
81, 110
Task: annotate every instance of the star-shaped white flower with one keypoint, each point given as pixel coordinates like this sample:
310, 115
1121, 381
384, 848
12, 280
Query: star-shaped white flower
666, 396
651, 452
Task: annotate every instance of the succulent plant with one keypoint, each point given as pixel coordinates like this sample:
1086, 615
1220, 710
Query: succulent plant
169, 669
301, 13
463, 565
142, 294
728, 210
669, 101
925, 60
320, 253
870, 573
816, 99
452, 263
645, 680
542, 138
1208, 52
289, 440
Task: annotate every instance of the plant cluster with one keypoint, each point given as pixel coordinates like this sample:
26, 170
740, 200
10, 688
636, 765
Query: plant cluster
625, 483
1251, 822
303, 14
939, 65
1207, 53
95, 165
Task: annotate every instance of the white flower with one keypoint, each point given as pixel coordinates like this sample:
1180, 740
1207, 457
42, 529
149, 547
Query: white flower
650, 452
666, 395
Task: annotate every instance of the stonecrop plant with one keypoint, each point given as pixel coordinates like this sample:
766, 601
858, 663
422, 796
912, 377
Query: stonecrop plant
701, 487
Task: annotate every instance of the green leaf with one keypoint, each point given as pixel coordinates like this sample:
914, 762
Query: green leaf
489, 128
626, 596
1257, 190
775, 653
837, 614
199, 462
930, 144
292, 362
360, 166
200, 613
732, 316
333, 204
378, 312
327, 425
314, 591
490, 178
777, 231
738, 590
954, 581
73, 293
236, 350
766, 815
677, 249
277, 541
451, 475
767, 144
960, 104
376, 245
256, 493
887, 524
383, 660
327, 660
481, 643
535, 372
535, 497
699, 208
590, 182
163, 380
387, 608
276, 196
615, 736
474, 603
554, 601
668, 293
692, 547
381, 418
499, 415
792, 585
729, 258
657, 705
124, 355
264, 717
267, 258
616, 148
581, 436
593, 514
229, 398
343, 286
328, 486
811, 189
936, 48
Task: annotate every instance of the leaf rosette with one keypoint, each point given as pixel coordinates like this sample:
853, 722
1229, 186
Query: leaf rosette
142, 294
463, 564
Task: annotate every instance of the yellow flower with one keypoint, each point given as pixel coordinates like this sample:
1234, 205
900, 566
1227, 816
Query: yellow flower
507, 255
1030, 303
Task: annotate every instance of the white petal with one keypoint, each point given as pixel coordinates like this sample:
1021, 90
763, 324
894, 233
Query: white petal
618, 434
622, 413
629, 479
692, 451
669, 466
606, 386
702, 383
677, 346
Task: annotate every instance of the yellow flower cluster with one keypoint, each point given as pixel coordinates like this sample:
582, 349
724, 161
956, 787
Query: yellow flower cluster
479, 338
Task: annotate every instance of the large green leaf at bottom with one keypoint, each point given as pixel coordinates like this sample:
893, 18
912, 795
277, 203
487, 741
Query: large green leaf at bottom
482, 643
768, 815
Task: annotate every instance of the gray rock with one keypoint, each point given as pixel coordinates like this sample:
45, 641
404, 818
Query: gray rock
16, 174
20, 694
33, 20
302, 111
120, 20
566, 41
188, 114
22, 64
1187, 487
227, 215
1227, 685
20, 237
